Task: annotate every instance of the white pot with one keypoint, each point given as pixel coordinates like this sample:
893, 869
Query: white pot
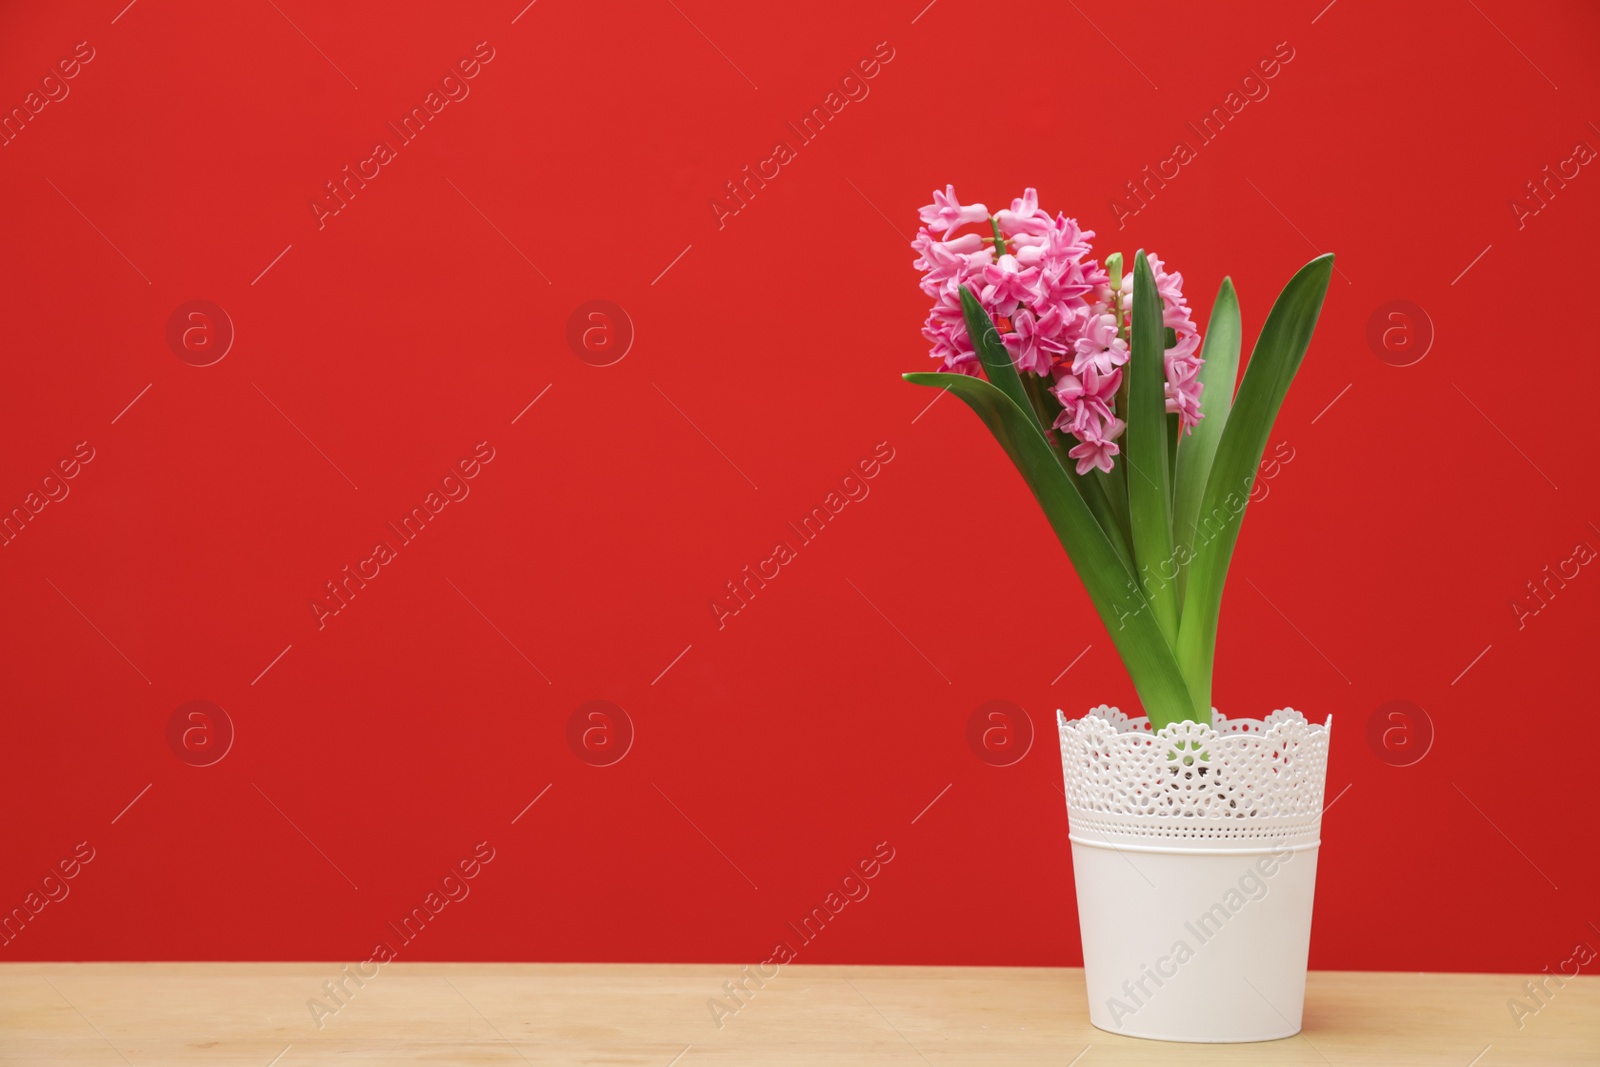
1194, 851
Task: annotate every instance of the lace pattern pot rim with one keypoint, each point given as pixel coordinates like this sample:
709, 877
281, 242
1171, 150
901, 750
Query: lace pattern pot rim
1232, 779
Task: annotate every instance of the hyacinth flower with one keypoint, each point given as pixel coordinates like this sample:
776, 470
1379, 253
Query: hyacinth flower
1143, 469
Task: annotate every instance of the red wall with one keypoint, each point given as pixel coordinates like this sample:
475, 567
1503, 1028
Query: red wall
378, 347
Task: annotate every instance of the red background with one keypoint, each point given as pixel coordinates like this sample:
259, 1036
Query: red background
778, 751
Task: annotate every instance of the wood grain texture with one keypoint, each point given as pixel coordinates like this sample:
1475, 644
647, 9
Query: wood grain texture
257, 1014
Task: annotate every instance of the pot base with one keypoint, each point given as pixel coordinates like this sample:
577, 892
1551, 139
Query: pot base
1196, 1040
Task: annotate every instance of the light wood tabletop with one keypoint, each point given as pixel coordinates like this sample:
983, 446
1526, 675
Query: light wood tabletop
261, 1014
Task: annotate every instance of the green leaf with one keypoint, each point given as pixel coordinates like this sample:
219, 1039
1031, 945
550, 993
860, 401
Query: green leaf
1145, 449
1029, 392
1114, 485
1218, 377
996, 360
1174, 430
1174, 435
1093, 491
1277, 356
1124, 610
1046, 407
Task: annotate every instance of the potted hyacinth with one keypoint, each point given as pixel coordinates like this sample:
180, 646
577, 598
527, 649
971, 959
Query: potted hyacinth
1194, 835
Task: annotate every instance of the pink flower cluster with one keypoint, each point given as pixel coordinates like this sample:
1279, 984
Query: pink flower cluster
1056, 312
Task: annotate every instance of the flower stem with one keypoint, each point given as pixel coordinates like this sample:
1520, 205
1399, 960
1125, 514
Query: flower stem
999, 241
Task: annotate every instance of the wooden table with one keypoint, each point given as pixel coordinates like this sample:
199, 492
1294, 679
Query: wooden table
259, 1014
